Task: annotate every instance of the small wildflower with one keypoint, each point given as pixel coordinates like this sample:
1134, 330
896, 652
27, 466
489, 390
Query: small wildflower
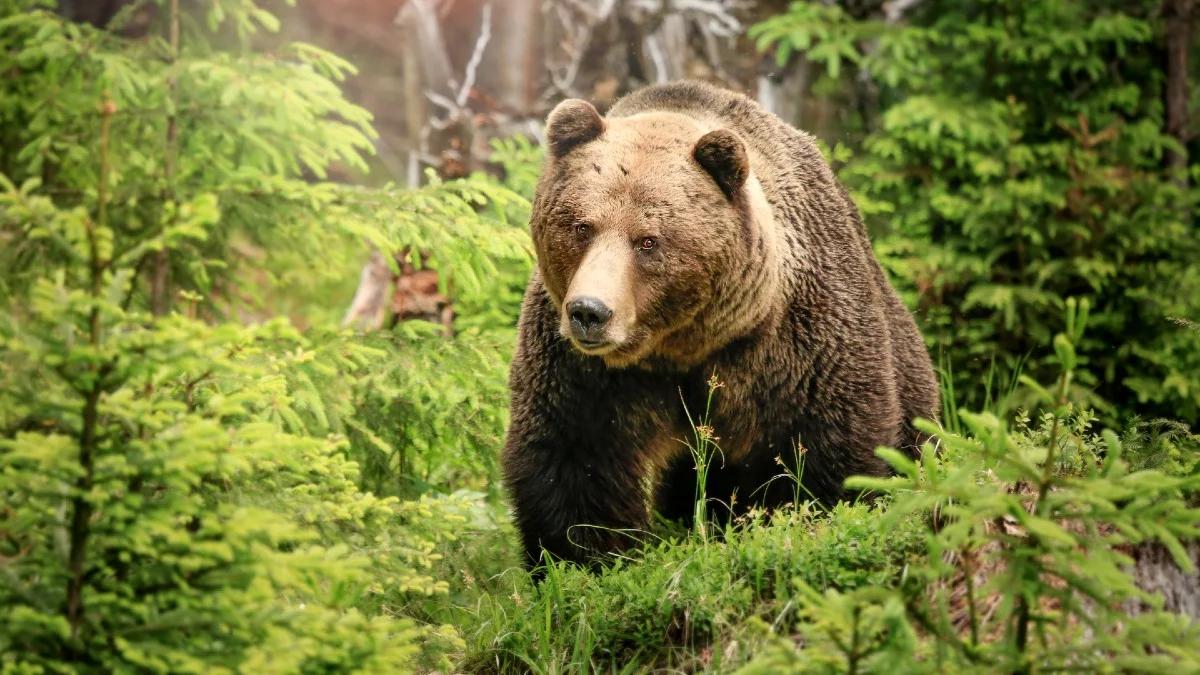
713, 383
706, 432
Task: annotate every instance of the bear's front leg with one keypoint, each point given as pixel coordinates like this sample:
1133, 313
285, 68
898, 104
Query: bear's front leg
576, 456
577, 500
574, 466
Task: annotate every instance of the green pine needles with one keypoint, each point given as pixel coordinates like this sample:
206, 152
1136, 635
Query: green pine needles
186, 494
1014, 158
1028, 567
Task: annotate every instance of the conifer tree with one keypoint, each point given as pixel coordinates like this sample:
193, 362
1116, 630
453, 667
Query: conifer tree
179, 491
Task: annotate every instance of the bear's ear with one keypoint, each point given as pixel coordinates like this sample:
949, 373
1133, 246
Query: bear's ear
572, 123
723, 156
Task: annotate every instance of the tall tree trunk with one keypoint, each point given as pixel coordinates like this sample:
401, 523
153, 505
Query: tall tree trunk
784, 91
1178, 16
509, 71
1155, 571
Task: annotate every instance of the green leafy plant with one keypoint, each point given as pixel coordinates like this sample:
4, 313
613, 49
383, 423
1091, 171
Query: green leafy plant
1032, 527
1017, 160
186, 493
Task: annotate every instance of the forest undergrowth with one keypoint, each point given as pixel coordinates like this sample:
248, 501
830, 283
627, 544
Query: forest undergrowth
201, 471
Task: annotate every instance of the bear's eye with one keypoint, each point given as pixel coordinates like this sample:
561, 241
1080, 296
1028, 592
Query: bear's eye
583, 229
647, 244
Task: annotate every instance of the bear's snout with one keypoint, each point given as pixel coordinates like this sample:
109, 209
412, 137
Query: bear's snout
598, 312
589, 316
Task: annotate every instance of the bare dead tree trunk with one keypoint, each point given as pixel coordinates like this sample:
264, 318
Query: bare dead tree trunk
414, 108
427, 74
783, 90
1178, 16
1155, 571
413, 291
665, 49
510, 71
366, 309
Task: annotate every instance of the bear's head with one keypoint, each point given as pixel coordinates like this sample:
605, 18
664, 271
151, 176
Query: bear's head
652, 234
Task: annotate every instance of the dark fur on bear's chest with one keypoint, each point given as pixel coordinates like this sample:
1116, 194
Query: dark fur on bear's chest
599, 444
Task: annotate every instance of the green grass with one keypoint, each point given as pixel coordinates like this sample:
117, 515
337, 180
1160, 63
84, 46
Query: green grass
681, 602
768, 593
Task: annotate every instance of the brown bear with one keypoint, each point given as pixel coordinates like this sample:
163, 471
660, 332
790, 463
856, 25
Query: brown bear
691, 234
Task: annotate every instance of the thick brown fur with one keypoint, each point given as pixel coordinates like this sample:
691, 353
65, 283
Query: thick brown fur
725, 246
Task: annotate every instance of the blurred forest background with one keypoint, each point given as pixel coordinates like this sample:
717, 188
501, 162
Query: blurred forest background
225, 447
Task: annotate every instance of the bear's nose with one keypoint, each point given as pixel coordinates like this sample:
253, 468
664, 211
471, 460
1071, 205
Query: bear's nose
588, 317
